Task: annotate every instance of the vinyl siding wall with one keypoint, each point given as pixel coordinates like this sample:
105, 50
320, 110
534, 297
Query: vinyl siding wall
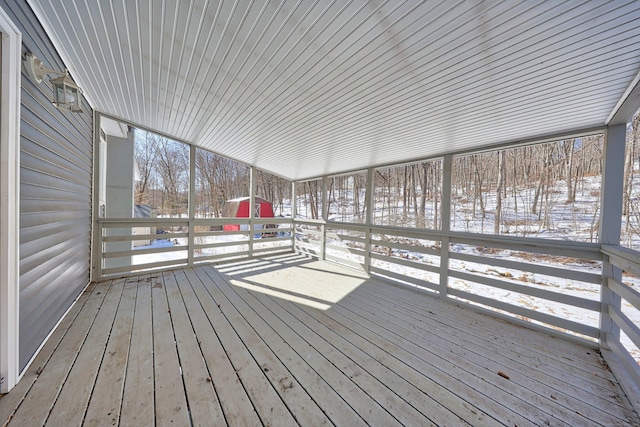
55, 200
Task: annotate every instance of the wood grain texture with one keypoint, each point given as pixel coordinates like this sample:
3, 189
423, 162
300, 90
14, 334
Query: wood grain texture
286, 340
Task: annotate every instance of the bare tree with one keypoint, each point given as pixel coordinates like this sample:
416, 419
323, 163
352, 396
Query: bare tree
308, 197
542, 179
173, 166
273, 188
146, 152
480, 166
568, 147
219, 179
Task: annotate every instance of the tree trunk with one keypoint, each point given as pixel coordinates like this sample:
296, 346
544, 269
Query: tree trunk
568, 163
479, 180
541, 181
422, 215
405, 193
313, 203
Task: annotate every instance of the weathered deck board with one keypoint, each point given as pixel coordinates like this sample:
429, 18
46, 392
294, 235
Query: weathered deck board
370, 378
71, 404
170, 399
539, 344
302, 408
338, 411
285, 382
204, 406
138, 391
264, 398
64, 331
329, 329
235, 402
285, 340
35, 408
470, 351
105, 407
570, 380
531, 403
565, 386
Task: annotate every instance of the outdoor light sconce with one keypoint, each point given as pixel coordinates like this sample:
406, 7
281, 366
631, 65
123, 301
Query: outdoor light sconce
66, 94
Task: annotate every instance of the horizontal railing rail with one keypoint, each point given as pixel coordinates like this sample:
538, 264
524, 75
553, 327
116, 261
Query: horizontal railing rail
133, 245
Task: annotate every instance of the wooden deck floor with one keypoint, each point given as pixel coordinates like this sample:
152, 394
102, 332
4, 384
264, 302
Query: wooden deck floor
286, 341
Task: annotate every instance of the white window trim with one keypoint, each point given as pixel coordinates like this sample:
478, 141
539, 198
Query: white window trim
10, 206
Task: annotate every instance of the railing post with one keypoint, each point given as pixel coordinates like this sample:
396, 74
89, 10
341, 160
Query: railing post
445, 224
96, 229
98, 248
192, 205
610, 225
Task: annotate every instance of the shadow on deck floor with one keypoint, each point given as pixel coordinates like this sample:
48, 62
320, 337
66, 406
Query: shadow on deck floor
287, 340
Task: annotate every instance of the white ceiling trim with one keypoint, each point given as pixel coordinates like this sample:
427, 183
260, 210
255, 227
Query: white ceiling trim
628, 104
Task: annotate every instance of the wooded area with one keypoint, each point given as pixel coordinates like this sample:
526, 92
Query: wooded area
544, 190
163, 181
530, 190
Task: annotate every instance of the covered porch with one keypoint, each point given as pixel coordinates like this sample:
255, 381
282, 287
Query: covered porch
290, 340
459, 227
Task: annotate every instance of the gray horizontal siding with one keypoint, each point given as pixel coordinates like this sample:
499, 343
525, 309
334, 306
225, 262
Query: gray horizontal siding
55, 195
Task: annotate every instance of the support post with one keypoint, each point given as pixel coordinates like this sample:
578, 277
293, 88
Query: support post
445, 224
96, 231
325, 215
252, 206
192, 205
369, 201
119, 176
294, 213
610, 225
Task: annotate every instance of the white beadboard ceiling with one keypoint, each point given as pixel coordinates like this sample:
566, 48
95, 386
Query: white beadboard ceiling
311, 87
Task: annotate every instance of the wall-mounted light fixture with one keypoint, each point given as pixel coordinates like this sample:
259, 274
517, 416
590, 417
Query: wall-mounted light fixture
66, 94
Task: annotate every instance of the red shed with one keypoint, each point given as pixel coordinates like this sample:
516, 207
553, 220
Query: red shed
239, 208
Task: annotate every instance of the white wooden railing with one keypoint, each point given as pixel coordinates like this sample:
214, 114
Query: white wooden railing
623, 299
186, 242
556, 286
